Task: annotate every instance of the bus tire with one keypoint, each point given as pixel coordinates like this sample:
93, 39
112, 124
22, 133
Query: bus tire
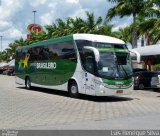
73, 89
28, 83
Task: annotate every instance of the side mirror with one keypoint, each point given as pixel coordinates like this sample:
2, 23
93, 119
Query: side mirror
95, 51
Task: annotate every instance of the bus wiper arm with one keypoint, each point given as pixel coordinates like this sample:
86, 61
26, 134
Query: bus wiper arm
123, 69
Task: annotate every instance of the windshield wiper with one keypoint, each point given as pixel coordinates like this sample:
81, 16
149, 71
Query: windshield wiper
123, 69
118, 66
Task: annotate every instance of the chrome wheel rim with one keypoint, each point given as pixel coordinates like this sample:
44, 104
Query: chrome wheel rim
28, 84
74, 89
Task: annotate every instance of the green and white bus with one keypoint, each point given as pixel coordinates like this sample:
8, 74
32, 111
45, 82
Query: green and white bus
80, 64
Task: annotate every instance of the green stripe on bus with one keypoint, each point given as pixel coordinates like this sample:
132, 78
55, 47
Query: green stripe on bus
114, 82
112, 50
61, 74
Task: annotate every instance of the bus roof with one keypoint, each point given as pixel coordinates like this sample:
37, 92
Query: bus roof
97, 38
48, 41
90, 37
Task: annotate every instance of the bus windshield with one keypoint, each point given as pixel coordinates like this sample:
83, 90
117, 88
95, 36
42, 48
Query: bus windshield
114, 61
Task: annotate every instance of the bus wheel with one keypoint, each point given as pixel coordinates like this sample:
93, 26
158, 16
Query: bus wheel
73, 89
28, 83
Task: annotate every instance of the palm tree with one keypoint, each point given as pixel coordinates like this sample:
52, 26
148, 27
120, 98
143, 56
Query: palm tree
71, 26
124, 34
91, 23
50, 29
20, 42
156, 31
11, 50
4, 56
127, 8
60, 28
77, 25
105, 29
151, 25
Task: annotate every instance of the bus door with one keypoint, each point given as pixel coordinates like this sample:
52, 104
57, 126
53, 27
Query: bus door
88, 74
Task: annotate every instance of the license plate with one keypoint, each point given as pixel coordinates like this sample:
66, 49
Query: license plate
119, 91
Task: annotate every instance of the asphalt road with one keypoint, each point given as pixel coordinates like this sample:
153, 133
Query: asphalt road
50, 109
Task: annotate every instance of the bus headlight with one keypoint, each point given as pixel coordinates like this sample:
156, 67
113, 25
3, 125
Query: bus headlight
102, 92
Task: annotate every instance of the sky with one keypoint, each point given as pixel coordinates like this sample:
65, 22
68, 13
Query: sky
16, 15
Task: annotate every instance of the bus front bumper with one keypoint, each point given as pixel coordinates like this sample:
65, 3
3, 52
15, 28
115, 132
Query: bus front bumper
104, 91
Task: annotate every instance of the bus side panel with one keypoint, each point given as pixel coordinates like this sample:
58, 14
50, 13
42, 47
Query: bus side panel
50, 65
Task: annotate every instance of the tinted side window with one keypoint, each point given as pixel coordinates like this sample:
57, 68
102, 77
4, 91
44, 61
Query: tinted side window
21, 54
89, 61
64, 50
68, 51
18, 55
37, 53
80, 44
123, 46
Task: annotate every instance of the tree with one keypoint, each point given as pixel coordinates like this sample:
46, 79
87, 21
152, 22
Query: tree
150, 25
71, 26
127, 8
105, 30
77, 25
124, 34
91, 24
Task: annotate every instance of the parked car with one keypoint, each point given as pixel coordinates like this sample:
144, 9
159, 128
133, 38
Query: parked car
155, 81
142, 79
11, 73
5, 72
8, 72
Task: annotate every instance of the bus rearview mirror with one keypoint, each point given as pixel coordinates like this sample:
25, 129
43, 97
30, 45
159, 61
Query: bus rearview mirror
95, 51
